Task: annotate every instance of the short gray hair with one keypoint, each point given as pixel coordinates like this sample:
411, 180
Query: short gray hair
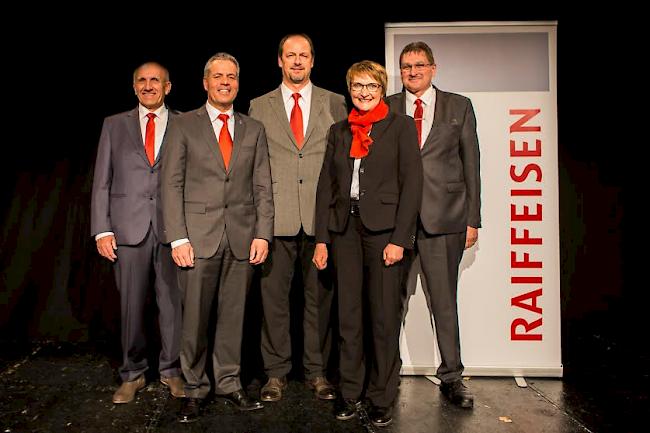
220, 56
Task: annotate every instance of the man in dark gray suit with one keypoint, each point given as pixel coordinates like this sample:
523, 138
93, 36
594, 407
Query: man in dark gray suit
450, 215
218, 214
296, 116
125, 212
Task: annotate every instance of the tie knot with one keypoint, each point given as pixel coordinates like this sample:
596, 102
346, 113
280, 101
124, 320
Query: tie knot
223, 117
151, 116
296, 96
418, 102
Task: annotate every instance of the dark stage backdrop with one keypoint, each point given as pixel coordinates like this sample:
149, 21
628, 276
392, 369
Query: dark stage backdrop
54, 285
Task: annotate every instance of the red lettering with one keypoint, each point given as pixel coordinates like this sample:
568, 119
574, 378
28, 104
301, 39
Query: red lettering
524, 174
526, 216
520, 301
525, 240
514, 335
525, 192
526, 115
525, 263
525, 151
526, 280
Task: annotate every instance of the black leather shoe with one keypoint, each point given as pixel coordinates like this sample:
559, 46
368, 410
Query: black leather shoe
458, 393
241, 400
190, 409
381, 416
346, 408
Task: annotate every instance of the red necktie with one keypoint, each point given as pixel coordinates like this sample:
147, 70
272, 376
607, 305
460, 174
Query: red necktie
225, 142
417, 115
150, 138
296, 121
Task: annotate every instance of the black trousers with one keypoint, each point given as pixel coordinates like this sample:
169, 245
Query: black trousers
363, 279
439, 257
132, 274
277, 276
218, 283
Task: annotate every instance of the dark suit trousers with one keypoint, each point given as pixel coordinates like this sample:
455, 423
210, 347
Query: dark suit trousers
276, 286
362, 278
440, 257
132, 272
218, 284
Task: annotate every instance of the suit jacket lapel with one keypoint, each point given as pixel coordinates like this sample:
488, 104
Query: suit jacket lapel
401, 103
277, 104
437, 113
209, 138
170, 115
378, 129
240, 131
133, 126
317, 104
347, 144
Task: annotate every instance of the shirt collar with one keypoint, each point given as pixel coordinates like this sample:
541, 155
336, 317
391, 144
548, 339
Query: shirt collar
214, 113
305, 92
427, 96
143, 111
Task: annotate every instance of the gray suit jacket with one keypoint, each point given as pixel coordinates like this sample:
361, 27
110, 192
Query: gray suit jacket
295, 172
451, 193
201, 199
126, 188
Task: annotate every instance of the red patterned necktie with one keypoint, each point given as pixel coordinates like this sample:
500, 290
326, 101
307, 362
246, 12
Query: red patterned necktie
417, 115
296, 121
225, 142
150, 138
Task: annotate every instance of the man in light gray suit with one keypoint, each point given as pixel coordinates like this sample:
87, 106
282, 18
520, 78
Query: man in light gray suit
297, 116
218, 214
450, 213
126, 212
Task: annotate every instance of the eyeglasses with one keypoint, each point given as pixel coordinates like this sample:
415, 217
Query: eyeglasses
372, 87
418, 67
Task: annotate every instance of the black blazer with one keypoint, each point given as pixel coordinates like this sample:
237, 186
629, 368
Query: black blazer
451, 198
390, 181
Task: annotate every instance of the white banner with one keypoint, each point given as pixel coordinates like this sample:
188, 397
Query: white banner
509, 288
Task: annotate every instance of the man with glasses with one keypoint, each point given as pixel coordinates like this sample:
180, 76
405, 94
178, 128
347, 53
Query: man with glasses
296, 116
449, 215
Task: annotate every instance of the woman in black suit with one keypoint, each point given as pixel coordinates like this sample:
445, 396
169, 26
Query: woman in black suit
367, 201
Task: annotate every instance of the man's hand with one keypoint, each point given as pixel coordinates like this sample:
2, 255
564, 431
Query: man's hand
107, 246
393, 254
259, 251
471, 238
183, 255
320, 256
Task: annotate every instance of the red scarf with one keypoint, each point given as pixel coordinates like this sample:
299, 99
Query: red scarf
360, 125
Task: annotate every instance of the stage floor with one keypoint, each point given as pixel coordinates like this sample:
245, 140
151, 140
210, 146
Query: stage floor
48, 387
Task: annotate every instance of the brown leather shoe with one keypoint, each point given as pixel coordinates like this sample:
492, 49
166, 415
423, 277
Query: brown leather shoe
126, 392
272, 391
322, 388
175, 384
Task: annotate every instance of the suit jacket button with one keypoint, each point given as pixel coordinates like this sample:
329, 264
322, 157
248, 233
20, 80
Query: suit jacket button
300, 155
227, 179
299, 180
226, 206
